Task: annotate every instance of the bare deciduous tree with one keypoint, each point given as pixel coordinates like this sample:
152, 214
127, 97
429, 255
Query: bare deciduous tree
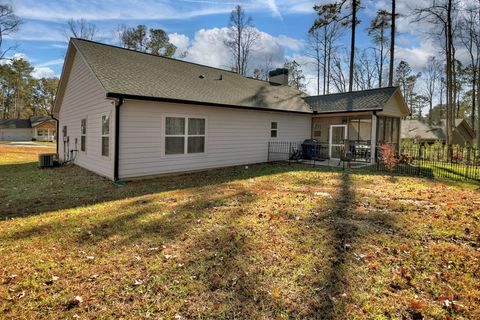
433, 73
334, 13
9, 24
365, 69
442, 15
81, 29
338, 67
242, 38
470, 37
321, 44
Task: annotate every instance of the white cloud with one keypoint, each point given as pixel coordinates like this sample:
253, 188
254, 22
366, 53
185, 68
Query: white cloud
208, 47
120, 9
20, 55
181, 41
42, 72
290, 43
272, 4
51, 63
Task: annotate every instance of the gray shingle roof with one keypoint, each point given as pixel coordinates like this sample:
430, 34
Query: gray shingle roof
415, 129
15, 124
127, 72
35, 121
366, 100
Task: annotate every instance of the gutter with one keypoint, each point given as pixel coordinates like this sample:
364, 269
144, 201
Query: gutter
118, 104
200, 103
56, 132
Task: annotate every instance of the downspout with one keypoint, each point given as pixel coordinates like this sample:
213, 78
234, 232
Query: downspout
118, 104
56, 133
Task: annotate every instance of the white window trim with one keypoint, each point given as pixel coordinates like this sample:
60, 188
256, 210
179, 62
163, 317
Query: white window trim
270, 129
81, 134
109, 115
185, 154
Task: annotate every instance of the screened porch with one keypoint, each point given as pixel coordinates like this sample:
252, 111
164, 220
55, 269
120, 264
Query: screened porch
359, 135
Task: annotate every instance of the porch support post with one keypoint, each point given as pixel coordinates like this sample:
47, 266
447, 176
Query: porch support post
373, 136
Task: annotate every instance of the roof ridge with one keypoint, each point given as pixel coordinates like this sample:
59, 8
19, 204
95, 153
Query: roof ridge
164, 57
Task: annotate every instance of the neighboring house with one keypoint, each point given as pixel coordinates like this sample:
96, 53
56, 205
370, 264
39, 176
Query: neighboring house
125, 114
423, 132
35, 128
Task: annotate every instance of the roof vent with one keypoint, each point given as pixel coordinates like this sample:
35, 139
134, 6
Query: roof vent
278, 76
202, 76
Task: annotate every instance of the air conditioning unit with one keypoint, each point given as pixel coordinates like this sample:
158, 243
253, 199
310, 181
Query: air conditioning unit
47, 160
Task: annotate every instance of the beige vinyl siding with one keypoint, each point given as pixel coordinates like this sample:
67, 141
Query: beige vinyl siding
393, 107
85, 99
233, 137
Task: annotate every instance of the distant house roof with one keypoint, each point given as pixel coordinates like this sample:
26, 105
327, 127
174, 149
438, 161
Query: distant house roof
23, 123
36, 121
357, 101
135, 74
15, 124
416, 129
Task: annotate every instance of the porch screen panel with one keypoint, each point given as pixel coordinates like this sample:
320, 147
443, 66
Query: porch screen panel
321, 127
365, 130
353, 129
395, 130
388, 130
380, 130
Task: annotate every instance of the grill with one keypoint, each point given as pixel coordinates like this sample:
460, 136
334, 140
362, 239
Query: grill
309, 149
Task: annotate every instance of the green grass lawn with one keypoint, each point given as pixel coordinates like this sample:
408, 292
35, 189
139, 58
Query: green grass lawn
263, 242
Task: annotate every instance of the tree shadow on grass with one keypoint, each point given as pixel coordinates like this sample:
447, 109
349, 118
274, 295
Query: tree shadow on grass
346, 230
27, 190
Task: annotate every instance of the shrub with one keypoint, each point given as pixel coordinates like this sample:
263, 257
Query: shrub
389, 158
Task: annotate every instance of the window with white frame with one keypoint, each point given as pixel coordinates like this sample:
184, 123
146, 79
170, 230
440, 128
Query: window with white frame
273, 129
184, 135
106, 135
83, 134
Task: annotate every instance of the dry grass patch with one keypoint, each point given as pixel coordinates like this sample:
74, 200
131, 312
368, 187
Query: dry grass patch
264, 243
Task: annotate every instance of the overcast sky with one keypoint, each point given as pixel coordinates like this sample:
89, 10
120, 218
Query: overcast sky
199, 27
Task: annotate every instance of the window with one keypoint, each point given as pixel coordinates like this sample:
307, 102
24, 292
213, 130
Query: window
42, 132
105, 135
184, 135
273, 129
83, 134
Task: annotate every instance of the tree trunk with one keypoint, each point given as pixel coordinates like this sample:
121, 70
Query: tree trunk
325, 59
450, 61
380, 72
329, 63
352, 45
478, 107
392, 46
474, 98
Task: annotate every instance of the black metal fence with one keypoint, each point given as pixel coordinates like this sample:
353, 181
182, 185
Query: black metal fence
455, 162
317, 152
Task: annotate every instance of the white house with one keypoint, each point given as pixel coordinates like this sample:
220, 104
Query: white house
125, 114
36, 128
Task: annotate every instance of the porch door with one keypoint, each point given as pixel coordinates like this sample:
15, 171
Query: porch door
338, 136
